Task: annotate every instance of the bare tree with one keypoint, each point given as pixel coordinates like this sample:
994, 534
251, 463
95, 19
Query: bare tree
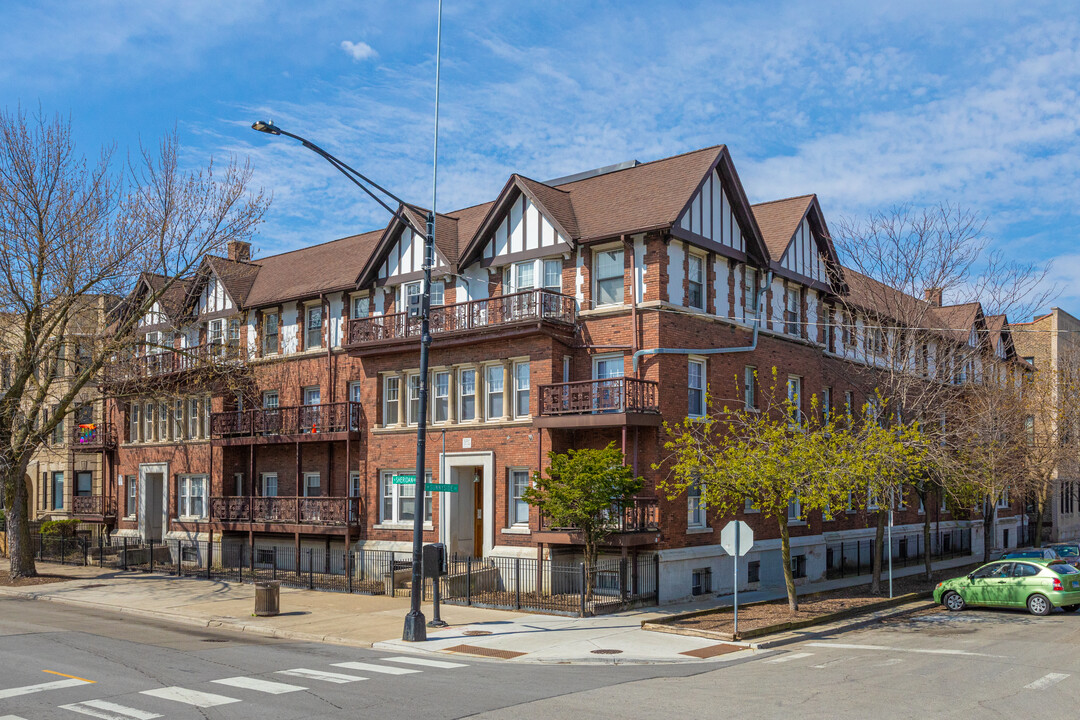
73, 232
901, 266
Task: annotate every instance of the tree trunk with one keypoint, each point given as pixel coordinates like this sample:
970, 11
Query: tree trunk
879, 549
1040, 509
20, 549
785, 558
988, 529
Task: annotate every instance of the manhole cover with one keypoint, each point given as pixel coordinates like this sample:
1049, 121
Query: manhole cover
606, 651
474, 633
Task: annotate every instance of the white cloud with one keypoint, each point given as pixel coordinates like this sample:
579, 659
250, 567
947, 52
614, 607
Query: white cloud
358, 51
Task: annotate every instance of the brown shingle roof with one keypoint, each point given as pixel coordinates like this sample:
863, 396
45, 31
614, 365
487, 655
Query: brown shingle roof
237, 277
308, 271
173, 300
649, 195
555, 201
778, 220
958, 319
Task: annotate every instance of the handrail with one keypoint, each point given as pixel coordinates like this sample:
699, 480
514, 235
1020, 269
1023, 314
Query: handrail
164, 362
333, 510
289, 420
528, 305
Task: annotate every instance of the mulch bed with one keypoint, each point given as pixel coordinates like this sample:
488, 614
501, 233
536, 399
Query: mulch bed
776, 612
42, 579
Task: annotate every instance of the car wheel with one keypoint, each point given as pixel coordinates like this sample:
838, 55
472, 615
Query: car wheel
953, 601
1039, 605
1070, 608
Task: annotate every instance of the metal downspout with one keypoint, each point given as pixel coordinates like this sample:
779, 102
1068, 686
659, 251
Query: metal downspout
713, 351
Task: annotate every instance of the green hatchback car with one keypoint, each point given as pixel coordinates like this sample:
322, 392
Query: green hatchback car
1039, 585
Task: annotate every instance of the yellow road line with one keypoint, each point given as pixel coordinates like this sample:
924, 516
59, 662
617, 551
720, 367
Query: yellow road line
73, 677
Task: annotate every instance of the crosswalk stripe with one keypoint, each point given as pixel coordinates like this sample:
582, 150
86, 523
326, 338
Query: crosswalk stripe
1046, 681
42, 687
11, 717
425, 662
309, 674
266, 686
368, 667
828, 663
106, 710
789, 656
190, 697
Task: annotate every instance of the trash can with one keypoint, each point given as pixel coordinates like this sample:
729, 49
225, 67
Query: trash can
267, 596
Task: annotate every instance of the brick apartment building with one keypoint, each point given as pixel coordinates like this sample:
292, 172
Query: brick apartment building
275, 399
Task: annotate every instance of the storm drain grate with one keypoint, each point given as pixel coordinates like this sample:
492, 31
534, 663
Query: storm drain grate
606, 651
474, 633
484, 652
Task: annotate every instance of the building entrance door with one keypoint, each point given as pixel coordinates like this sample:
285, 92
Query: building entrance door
466, 536
478, 511
152, 506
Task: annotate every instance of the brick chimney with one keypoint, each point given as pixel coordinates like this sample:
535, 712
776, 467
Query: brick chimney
239, 250
933, 296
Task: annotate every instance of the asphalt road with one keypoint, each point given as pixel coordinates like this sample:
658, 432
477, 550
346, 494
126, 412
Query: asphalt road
58, 662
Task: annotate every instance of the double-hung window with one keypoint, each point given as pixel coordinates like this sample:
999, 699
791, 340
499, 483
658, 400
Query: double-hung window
826, 404
695, 380
390, 400
608, 269
191, 496
270, 399
313, 328
57, 490
270, 333
696, 281
794, 396
312, 484
438, 293
519, 509
194, 413
523, 276
134, 422
410, 298
215, 332
791, 310
361, 307
493, 386
553, 275
148, 422
413, 385
132, 495
269, 484
467, 395
695, 506
521, 389
399, 501
749, 381
163, 421
178, 420
442, 396
750, 296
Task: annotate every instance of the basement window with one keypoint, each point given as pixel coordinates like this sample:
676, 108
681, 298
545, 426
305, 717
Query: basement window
701, 581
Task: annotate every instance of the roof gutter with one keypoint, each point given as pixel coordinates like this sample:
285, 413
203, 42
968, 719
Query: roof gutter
714, 351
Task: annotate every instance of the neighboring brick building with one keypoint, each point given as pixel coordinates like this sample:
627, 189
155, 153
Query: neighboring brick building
275, 398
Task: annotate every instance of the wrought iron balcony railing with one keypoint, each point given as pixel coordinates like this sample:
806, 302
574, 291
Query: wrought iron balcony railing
286, 510
292, 420
614, 395
640, 514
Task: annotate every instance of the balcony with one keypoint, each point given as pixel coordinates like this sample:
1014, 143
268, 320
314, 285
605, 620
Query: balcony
93, 506
614, 402
170, 362
282, 511
502, 316
634, 522
297, 423
92, 437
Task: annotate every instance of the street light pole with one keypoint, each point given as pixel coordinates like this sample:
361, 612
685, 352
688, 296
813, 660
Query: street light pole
415, 629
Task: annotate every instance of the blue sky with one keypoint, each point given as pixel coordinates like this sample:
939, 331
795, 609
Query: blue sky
867, 104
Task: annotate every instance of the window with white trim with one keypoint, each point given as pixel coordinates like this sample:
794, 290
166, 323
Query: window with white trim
750, 297
412, 383
608, 271
466, 394
178, 420
361, 306
695, 505
410, 298
270, 399
269, 484
132, 495
749, 383
313, 327
521, 389
493, 390
695, 276
312, 484
194, 413
553, 275
163, 421
354, 483
519, 509
191, 496
826, 404
148, 422
695, 381
398, 502
441, 396
271, 333
794, 509
438, 293
791, 310
794, 396
134, 422
215, 332
312, 395
390, 399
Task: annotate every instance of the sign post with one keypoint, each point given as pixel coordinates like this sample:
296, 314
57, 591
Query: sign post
736, 538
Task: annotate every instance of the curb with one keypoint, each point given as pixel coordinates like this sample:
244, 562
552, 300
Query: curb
239, 627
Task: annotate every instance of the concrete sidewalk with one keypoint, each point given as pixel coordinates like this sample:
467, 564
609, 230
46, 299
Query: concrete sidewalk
373, 621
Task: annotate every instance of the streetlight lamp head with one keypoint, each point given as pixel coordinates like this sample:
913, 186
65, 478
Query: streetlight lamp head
265, 126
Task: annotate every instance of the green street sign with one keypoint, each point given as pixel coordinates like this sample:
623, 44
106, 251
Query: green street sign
403, 479
441, 487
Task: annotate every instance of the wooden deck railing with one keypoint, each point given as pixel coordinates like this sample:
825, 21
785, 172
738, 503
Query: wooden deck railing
634, 515
623, 394
291, 420
286, 510
530, 305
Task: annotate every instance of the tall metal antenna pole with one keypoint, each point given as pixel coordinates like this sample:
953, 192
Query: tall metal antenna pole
414, 622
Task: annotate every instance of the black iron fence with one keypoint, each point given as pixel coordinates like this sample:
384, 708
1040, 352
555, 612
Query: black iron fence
66, 550
856, 557
552, 586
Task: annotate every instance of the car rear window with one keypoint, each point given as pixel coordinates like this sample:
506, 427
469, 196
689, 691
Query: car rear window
1066, 549
1063, 569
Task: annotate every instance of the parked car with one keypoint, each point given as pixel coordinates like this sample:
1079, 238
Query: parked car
1068, 553
1037, 584
1038, 553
